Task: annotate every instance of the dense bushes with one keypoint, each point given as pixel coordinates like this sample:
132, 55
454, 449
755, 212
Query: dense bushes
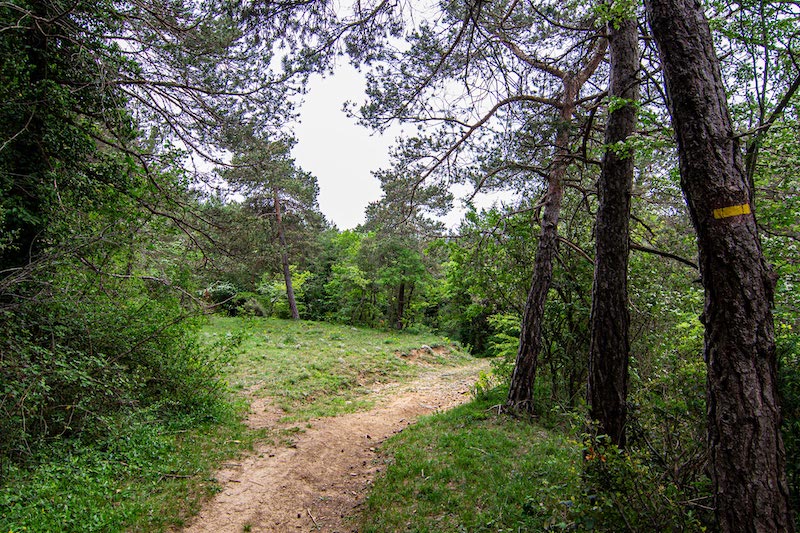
76, 356
788, 347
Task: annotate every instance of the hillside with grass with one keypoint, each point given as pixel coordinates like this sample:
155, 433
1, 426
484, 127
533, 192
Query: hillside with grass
153, 469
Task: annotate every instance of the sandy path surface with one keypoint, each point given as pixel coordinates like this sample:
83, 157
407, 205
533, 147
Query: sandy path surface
319, 482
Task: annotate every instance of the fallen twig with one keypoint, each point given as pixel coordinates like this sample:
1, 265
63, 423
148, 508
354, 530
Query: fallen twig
312, 518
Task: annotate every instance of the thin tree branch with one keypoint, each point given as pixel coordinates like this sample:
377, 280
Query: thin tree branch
668, 255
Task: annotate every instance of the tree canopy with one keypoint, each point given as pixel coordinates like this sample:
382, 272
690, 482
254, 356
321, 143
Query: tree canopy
147, 178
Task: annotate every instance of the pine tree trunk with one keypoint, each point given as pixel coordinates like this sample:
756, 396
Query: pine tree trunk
520, 394
746, 450
287, 273
610, 320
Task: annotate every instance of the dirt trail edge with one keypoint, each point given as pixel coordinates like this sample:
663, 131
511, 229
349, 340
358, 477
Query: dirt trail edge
320, 481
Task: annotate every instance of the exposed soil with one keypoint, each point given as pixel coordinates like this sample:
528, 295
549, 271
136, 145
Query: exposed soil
318, 481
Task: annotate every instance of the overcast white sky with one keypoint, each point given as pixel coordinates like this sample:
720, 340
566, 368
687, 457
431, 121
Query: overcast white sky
342, 154
337, 151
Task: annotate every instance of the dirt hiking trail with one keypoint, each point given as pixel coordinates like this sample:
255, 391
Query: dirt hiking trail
319, 481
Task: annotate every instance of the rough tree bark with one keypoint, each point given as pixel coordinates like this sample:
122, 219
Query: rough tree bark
610, 320
520, 394
287, 273
746, 451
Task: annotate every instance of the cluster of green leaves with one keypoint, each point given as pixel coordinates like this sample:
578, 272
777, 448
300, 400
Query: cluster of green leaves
628, 491
70, 363
113, 413
372, 280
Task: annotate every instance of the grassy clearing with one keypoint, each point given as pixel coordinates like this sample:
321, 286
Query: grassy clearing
471, 470
148, 471
314, 369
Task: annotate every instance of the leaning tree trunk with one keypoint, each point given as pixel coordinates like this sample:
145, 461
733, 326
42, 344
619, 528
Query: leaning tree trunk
610, 319
746, 450
287, 273
520, 394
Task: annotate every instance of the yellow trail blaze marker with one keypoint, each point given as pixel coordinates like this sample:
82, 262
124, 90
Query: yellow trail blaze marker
732, 211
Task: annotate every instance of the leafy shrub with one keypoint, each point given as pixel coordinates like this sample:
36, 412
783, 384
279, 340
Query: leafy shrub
74, 358
659, 482
503, 344
627, 491
250, 304
788, 350
668, 416
486, 383
272, 292
223, 296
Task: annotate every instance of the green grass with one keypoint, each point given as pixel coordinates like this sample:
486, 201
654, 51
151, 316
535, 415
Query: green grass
149, 470
471, 470
314, 369
146, 476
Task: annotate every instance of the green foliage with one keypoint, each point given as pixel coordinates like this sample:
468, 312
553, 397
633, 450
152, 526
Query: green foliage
146, 474
279, 205
272, 292
488, 272
628, 491
49, 92
73, 360
243, 249
777, 205
222, 295
472, 470
371, 280
614, 12
788, 348
113, 414
504, 344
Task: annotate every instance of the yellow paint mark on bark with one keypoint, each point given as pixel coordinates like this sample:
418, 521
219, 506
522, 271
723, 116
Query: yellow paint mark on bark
732, 211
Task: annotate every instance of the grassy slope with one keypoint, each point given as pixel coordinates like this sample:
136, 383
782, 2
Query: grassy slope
471, 470
149, 472
316, 369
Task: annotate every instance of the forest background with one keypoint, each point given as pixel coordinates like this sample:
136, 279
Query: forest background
115, 238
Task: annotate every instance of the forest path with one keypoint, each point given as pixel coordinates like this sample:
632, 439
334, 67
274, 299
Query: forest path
318, 482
